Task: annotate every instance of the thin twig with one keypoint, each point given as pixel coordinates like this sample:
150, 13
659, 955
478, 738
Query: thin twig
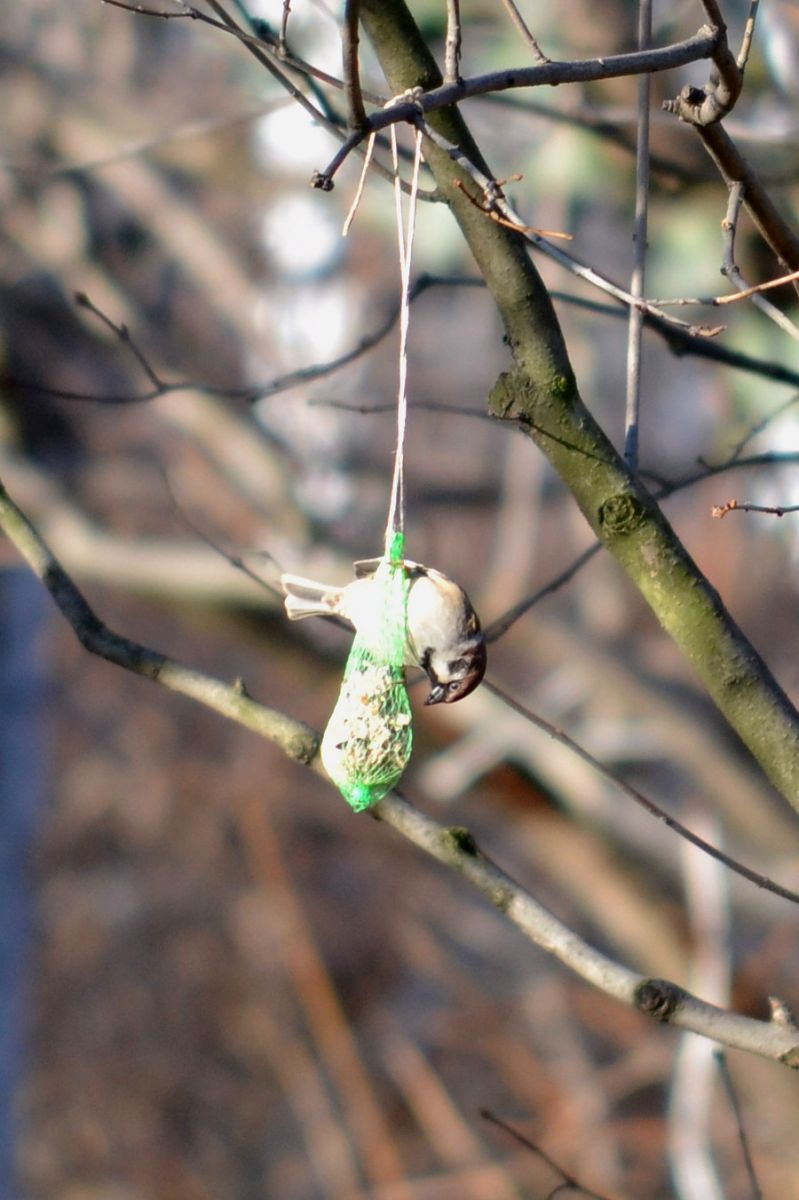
495, 202
677, 338
732, 1096
654, 810
452, 46
265, 54
638, 276
497, 628
710, 470
523, 29
567, 1179
489, 204
729, 267
235, 560
756, 289
371, 410
760, 425
502, 624
123, 333
142, 10
356, 113
252, 392
734, 168
747, 293
284, 27
748, 35
777, 510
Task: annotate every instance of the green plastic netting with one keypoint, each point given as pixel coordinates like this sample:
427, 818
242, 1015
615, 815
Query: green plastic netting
368, 739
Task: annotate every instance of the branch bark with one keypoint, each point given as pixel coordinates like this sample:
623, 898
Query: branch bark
540, 393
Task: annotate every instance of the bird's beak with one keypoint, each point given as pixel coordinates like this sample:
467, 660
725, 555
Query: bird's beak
437, 694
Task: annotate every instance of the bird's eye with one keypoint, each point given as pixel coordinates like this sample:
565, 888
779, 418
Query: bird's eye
454, 685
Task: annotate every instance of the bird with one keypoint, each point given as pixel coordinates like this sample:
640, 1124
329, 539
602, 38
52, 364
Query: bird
444, 634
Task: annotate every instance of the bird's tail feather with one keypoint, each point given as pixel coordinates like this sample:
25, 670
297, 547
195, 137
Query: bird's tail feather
306, 598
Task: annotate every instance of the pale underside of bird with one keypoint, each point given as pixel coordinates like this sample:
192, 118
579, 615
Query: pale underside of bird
444, 635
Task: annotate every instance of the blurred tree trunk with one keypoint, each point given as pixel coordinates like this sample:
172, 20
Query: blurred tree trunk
23, 612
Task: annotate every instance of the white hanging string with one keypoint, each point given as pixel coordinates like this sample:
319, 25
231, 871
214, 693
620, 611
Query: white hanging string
405, 238
367, 159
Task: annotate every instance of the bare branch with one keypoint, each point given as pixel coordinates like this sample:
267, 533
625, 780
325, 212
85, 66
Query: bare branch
270, 57
524, 31
452, 47
495, 206
660, 999
726, 82
638, 277
760, 425
567, 1180
730, 269
734, 168
719, 511
297, 740
284, 27
761, 881
703, 107
356, 113
693, 49
749, 33
732, 1096
679, 338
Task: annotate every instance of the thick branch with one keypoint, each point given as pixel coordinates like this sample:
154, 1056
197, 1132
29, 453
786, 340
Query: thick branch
456, 848
541, 394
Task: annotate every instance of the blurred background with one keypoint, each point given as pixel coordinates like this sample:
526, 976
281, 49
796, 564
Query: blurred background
215, 980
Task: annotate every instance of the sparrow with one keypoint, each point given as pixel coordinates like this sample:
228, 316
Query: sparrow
444, 635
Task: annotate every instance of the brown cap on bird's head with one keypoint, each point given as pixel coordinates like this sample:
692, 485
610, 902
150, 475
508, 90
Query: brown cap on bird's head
473, 667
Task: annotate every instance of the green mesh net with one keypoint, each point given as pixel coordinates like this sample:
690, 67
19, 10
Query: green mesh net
368, 739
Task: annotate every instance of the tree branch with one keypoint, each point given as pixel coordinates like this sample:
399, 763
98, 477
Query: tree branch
293, 737
734, 168
437, 95
452, 46
356, 113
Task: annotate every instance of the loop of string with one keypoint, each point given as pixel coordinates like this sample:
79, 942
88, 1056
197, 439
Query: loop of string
395, 526
405, 237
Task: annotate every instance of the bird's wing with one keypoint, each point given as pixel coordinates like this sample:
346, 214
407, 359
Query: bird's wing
368, 566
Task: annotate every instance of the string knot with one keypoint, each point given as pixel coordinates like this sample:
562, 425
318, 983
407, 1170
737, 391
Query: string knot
410, 96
